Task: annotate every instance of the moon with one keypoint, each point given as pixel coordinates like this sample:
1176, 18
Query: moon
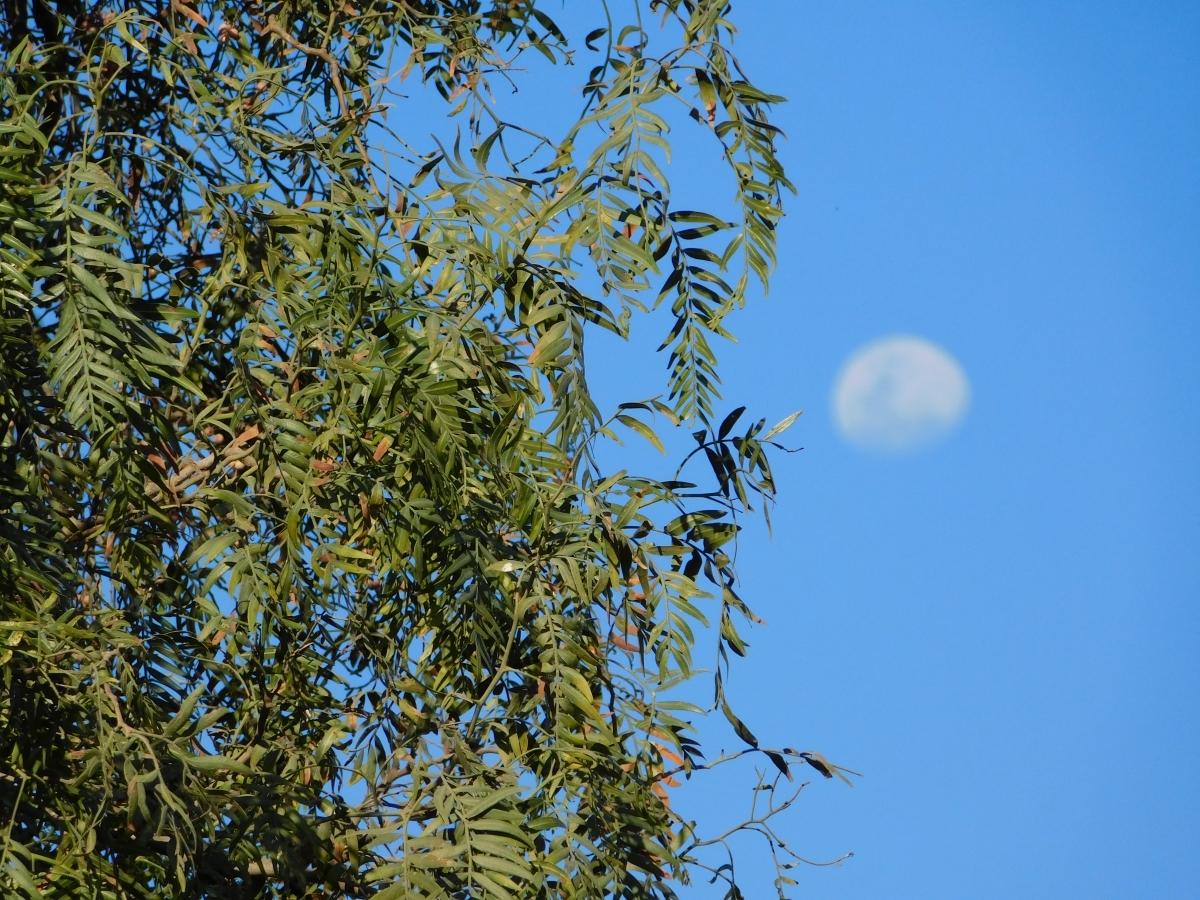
899, 394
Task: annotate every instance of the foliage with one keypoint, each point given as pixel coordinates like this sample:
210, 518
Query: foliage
312, 582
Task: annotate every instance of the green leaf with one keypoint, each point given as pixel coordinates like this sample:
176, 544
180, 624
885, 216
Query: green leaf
21, 877
780, 763
782, 426
738, 726
212, 548
644, 430
184, 715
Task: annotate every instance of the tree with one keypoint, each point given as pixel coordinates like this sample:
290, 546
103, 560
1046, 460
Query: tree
312, 581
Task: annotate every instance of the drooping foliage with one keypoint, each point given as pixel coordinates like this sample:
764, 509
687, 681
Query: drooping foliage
311, 581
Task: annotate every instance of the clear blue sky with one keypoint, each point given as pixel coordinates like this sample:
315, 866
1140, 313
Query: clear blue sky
1002, 632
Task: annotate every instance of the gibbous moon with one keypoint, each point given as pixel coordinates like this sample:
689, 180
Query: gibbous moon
900, 393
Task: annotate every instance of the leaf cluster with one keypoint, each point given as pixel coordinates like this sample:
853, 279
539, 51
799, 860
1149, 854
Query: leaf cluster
311, 583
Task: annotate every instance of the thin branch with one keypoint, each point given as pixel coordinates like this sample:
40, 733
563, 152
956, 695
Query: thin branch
335, 70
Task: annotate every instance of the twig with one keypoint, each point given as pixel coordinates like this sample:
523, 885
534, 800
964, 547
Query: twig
117, 710
335, 73
335, 70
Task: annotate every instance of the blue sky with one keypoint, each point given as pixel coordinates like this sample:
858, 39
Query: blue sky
1001, 632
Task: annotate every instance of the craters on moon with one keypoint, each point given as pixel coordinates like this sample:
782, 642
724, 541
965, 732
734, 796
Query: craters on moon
899, 394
